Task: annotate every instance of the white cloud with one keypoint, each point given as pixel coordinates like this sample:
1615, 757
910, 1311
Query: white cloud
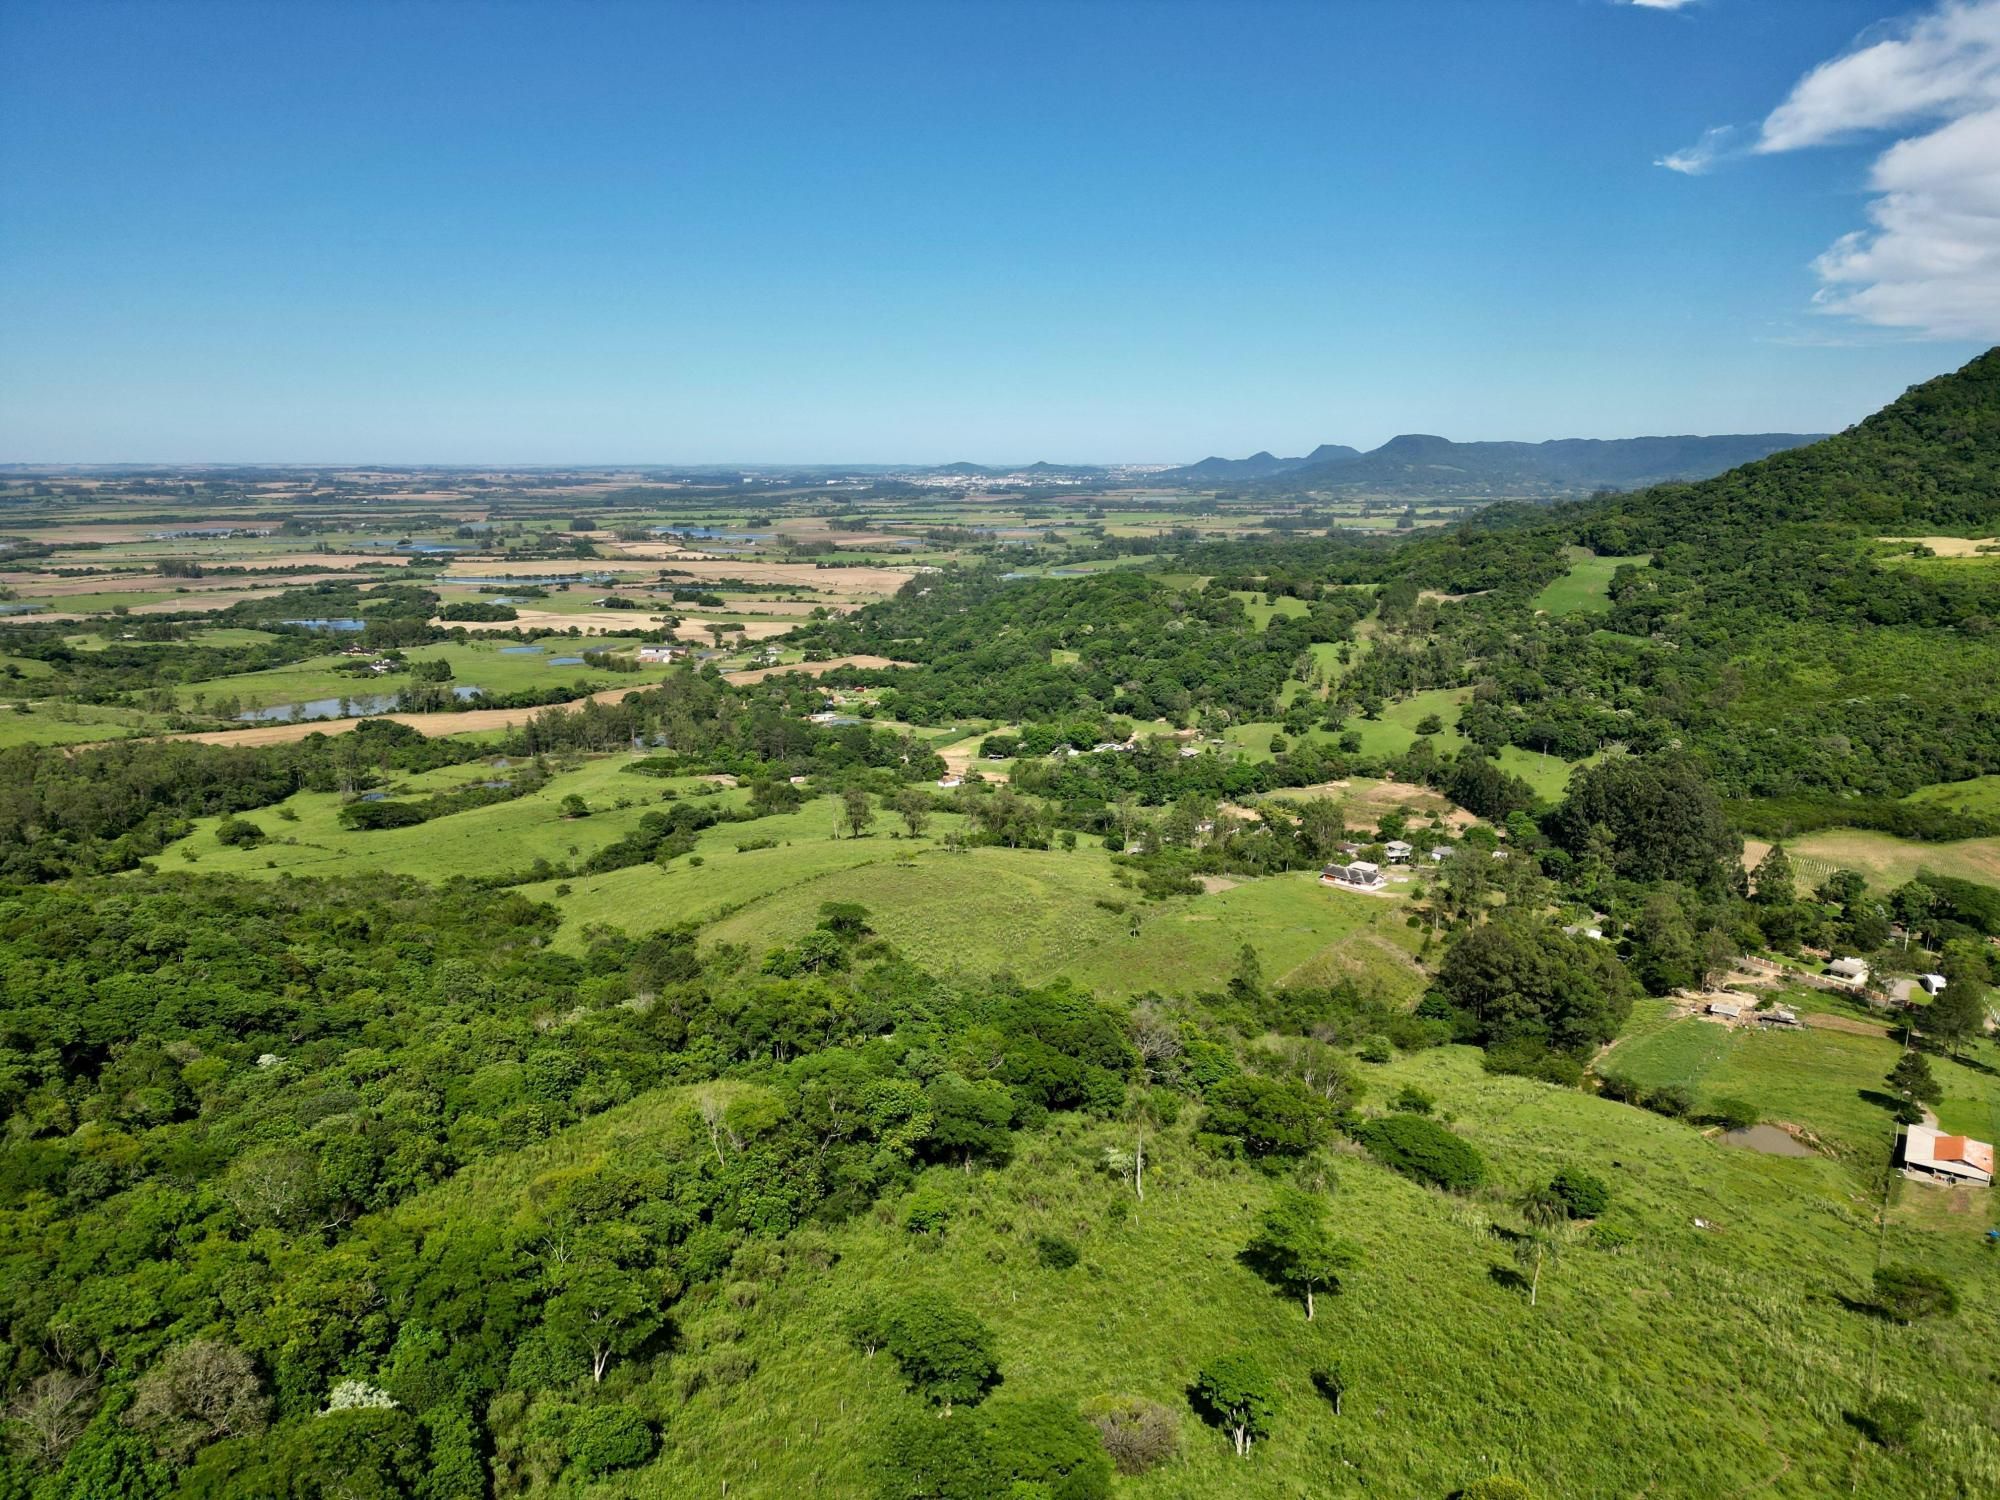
1929, 262
1660, 4
1692, 161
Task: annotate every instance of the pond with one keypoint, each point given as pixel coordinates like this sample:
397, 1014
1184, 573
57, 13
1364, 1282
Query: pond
328, 624
1768, 1139
565, 661
521, 650
359, 705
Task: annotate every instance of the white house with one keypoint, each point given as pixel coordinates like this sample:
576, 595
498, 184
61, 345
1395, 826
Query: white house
1932, 984
1397, 852
1928, 1153
1360, 875
657, 654
951, 781
1850, 971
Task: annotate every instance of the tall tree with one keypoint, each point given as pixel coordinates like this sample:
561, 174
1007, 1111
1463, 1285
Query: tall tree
1293, 1247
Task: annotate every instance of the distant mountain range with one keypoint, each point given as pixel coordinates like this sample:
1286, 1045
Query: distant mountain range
1418, 466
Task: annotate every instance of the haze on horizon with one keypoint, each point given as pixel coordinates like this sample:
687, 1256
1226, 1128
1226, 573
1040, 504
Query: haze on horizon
915, 233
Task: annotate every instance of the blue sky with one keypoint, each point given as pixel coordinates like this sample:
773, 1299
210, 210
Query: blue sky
854, 232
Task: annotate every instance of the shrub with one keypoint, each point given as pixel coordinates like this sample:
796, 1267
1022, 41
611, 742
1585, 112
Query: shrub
1374, 1049
1047, 1444
1672, 1100
1410, 1099
603, 1438
1270, 1117
1055, 1252
929, 1209
1423, 1149
925, 1459
1136, 1433
1613, 1237
1584, 1196
1734, 1114
1892, 1421
1907, 1293
236, 831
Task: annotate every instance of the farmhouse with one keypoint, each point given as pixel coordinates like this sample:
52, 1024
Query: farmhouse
1360, 875
1849, 971
951, 781
1932, 1156
658, 654
1397, 852
1439, 853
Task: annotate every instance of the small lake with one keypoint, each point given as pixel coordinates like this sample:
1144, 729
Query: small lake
710, 534
565, 661
328, 624
359, 705
19, 609
1768, 1139
521, 650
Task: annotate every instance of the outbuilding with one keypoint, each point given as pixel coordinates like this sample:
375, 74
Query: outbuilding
1360, 875
1933, 1156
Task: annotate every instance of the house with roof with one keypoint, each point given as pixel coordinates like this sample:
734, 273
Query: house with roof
1359, 875
951, 781
1851, 972
1724, 1010
657, 654
1779, 1015
1439, 853
1929, 1155
1397, 852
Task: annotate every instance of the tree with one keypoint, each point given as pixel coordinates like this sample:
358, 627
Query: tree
1959, 1011
1583, 1195
1271, 1117
1908, 1293
1293, 1247
945, 1353
1543, 1213
1913, 1079
1773, 883
197, 1393
1524, 980
1322, 826
1234, 1392
857, 810
914, 808
1661, 820
602, 1311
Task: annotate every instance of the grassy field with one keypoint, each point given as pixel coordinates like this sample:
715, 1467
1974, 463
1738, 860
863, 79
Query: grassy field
1697, 1363
1818, 1079
1883, 859
489, 665
1587, 584
1264, 608
1979, 796
502, 836
1302, 932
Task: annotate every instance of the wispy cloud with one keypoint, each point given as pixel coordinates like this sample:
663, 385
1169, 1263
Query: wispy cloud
1660, 4
1930, 259
1694, 160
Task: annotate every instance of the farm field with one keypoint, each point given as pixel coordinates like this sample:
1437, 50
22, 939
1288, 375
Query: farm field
1884, 859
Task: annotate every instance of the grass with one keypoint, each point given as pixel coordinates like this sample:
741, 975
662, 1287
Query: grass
483, 664
1548, 774
487, 840
1302, 933
1262, 609
1979, 796
1697, 1363
1396, 730
1587, 584
1817, 1078
1886, 861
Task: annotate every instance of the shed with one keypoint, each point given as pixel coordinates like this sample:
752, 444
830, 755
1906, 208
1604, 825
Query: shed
1725, 1010
1931, 1154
